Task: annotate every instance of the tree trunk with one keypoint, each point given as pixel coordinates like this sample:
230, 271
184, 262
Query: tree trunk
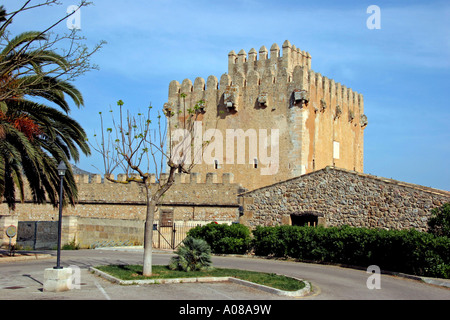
148, 237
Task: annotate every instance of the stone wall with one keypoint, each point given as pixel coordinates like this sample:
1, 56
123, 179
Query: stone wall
189, 199
341, 197
107, 211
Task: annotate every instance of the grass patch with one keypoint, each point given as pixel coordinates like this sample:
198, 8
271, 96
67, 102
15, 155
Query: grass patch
134, 272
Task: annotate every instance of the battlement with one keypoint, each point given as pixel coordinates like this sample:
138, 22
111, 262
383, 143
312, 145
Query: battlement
292, 57
180, 178
263, 80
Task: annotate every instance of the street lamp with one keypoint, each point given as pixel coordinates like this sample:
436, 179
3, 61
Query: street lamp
61, 173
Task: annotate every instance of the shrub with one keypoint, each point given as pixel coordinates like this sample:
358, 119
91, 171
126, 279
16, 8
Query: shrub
407, 251
224, 238
72, 245
439, 222
192, 255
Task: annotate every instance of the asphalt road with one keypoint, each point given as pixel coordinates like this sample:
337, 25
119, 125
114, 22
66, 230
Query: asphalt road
23, 280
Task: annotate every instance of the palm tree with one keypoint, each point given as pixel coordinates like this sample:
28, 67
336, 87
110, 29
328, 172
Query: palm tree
35, 137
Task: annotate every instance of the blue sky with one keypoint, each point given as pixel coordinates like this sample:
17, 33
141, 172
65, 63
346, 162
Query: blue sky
402, 69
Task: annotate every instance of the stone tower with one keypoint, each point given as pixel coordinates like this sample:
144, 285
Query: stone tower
272, 118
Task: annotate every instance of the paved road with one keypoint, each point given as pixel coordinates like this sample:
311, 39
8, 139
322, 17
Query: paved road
23, 281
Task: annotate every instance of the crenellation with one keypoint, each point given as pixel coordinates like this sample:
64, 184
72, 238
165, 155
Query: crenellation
232, 57
252, 55
199, 84
174, 88
225, 81
288, 55
179, 178
81, 178
332, 86
211, 177
274, 53
339, 94
227, 178
186, 86
108, 178
307, 60
263, 53
241, 57
212, 83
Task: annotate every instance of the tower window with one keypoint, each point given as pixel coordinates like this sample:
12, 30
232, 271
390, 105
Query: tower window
255, 163
216, 164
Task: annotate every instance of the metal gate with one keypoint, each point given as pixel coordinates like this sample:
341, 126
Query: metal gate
170, 235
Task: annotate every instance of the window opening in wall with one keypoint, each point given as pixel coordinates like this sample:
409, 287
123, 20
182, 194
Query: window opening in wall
255, 163
309, 220
335, 150
216, 164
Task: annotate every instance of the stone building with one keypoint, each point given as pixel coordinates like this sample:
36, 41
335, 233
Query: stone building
335, 197
272, 116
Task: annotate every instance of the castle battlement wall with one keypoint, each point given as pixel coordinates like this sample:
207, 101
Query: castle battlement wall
292, 57
194, 197
183, 178
268, 76
321, 121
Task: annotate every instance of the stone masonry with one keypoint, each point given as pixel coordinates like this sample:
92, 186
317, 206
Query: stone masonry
320, 122
108, 211
342, 197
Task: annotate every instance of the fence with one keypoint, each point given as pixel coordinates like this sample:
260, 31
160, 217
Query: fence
98, 233
171, 235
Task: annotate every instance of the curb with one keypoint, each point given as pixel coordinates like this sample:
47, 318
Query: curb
36, 256
434, 281
299, 293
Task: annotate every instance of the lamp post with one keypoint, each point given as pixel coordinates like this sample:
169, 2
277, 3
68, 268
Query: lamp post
61, 173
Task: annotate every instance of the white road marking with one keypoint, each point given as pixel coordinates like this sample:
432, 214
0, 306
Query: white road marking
99, 287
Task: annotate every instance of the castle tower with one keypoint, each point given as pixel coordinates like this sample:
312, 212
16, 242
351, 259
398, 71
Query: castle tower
272, 118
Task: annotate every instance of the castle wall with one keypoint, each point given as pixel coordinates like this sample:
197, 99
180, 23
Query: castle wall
259, 93
341, 197
189, 197
106, 211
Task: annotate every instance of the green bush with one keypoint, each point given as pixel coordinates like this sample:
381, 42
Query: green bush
407, 251
439, 222
192, 255
72, 245
224, 238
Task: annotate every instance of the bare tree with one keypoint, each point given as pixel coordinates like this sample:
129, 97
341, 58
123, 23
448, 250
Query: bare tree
136, 144
43, 45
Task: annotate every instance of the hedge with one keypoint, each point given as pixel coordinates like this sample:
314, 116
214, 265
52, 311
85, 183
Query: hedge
406, 251
224, 238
